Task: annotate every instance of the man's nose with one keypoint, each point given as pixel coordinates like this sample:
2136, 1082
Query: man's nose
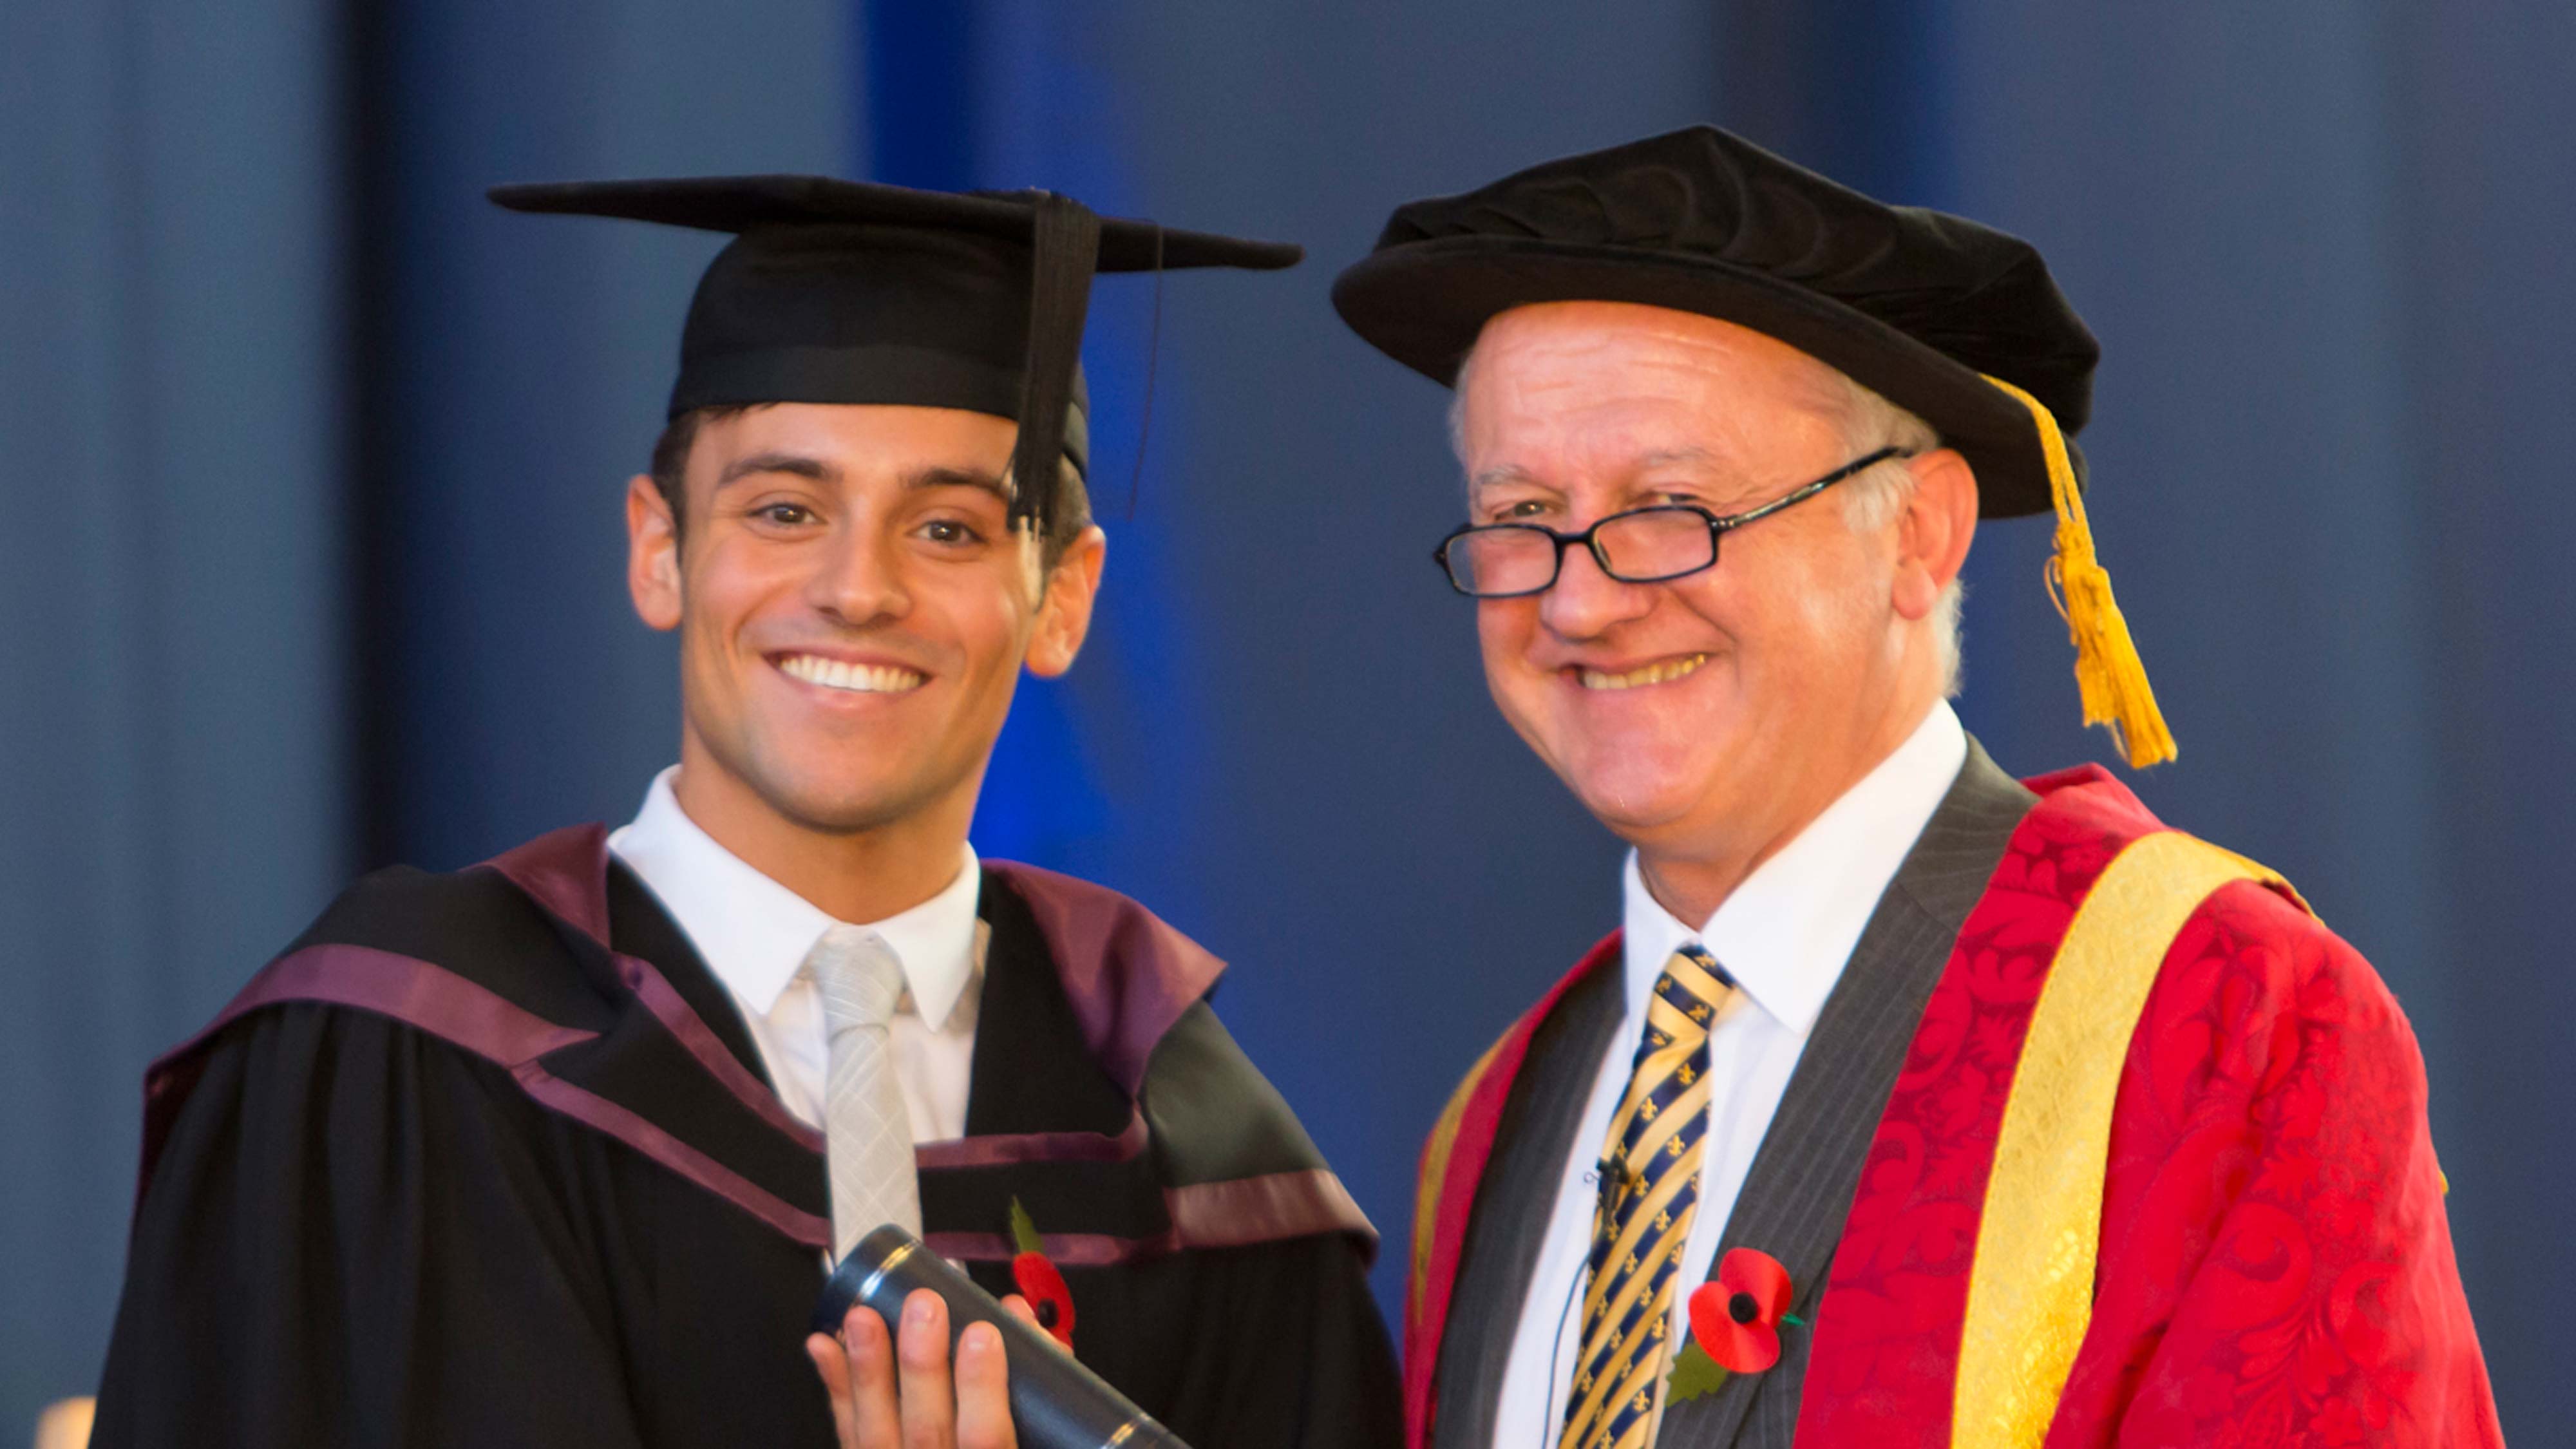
861, 577
1584, 601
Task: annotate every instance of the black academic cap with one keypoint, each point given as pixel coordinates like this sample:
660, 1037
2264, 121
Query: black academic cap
1918, 306
853, 292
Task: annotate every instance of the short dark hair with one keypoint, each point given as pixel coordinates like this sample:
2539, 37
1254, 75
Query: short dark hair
671, 467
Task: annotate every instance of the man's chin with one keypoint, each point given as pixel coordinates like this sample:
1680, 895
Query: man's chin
851, 815
844, 806
1634, 806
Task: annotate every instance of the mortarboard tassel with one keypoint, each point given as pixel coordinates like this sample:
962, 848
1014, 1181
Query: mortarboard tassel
1065, 246
2107, 670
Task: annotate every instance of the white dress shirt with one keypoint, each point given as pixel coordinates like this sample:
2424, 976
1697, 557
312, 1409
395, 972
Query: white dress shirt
754, 934
1784, 935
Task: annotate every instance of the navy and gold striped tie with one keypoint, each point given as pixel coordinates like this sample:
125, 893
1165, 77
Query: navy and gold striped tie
1649, 1191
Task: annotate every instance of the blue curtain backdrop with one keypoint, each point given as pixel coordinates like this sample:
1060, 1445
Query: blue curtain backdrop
314, 558
171, 653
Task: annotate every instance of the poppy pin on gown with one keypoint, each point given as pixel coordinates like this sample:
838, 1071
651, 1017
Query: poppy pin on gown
1038, 1279
1735, 1322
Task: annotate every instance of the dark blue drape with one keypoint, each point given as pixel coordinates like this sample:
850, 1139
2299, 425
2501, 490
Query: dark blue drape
171, 652
313, 557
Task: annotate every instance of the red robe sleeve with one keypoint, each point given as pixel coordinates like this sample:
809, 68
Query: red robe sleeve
2276, 1265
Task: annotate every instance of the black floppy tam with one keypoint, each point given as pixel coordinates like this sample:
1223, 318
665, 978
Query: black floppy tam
1947, 318
1919, 307
853, 292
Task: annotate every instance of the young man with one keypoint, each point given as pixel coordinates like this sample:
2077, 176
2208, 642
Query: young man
554, 1150
1913, 1105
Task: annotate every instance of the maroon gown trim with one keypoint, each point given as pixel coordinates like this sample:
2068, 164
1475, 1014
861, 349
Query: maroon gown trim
1001, 1149
1263, 1209
636, 1131
432, 999
566, 873
1128, 975
663, 999
444, 1005
1232, 1214
408, 989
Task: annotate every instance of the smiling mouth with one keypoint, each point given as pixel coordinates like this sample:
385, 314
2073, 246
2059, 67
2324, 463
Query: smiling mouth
1662, 671
855, 678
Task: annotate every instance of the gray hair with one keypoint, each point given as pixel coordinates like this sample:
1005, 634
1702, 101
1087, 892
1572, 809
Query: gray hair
1872, 498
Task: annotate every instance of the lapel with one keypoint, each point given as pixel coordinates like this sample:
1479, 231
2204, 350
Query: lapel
674, 1074
1081, 985
1801, 1183
1049, 1127
1032, 1072
639, 1041
639, 926
1515, 1198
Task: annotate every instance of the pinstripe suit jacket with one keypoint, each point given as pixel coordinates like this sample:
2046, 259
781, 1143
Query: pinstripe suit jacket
1801, 1184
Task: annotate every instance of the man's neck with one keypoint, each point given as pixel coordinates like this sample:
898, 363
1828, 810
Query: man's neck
1694, 876
858, 876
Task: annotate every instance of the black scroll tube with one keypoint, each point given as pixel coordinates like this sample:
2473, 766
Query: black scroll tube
1055, 1401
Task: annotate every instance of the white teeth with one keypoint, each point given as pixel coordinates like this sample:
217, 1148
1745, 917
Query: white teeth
857, 678
1655, 673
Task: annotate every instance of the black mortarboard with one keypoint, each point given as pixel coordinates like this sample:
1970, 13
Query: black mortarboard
1949, 319
852, 292
1915, 305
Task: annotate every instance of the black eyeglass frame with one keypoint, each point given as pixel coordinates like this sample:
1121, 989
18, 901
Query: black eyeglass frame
1718, 526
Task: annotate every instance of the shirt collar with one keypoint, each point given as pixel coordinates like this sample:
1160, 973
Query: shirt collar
754, 933
1787, 931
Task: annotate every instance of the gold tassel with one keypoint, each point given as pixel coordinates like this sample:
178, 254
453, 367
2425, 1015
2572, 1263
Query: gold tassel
2107, 669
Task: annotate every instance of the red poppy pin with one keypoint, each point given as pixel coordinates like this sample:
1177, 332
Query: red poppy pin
1735, 1322
1038, 1280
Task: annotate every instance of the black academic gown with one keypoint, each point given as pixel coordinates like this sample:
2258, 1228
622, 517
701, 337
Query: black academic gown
487, 1159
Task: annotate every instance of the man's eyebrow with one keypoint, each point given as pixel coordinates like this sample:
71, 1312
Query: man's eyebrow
1724, 481
822, 471
776, 462
1666, 457
942, 477
1507, 473
1661, 458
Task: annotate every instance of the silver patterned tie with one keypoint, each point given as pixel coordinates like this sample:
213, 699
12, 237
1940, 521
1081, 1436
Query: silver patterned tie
867, 1135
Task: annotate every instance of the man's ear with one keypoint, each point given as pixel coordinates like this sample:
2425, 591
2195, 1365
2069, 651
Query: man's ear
1933, 535
1064, 613
652, 554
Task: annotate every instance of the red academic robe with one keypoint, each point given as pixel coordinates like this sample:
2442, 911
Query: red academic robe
2270, 1259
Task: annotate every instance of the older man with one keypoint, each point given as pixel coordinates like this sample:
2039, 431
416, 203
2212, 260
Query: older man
1991, 1112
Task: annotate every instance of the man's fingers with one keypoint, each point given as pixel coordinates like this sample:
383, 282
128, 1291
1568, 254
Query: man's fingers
868, 1362
929, 1406
857, 1370
835, 1373
1021, 1310
984, 1389
899, 1389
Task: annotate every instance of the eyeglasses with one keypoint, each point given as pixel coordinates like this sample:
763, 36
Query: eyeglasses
1641, 546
